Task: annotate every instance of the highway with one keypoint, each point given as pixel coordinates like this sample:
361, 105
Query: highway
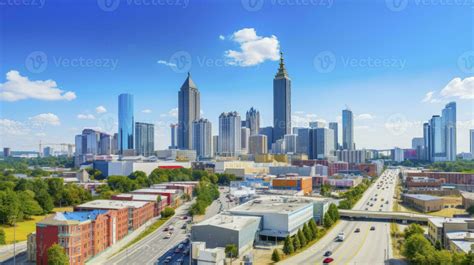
364, 247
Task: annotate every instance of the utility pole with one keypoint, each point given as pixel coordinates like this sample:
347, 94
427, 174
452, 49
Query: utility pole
14, 241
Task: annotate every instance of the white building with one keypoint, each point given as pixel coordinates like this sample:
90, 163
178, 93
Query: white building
202, 138
291, 143
229, 143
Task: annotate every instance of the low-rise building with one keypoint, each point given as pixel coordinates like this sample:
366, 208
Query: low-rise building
422, 202
423, 183
439, 228
462, 242
173, 197
467, 199
294, 182
301, 171
344, 181
160, 201
224, 229
207, 256
31, 247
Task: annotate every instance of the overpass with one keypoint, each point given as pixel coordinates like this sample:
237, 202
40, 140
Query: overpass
385, 216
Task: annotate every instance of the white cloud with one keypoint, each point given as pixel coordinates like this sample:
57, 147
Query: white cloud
302, 119
172, 113
428, 97
254, 49
45, 119
146, 111
166, 63
11, 127
458, 88
100, 109
85, 117
221, 37
19, 87
365, 116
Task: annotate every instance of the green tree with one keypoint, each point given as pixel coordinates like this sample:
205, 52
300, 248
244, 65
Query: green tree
3, 240
167, 212
288, 246
231, 251
470, 210
296, 243
438, 245
55, 189
307, 232
276, 257
29, 206
57, 256
413, 229
333, 212
325, 190
443, 257
44, 200
327, 221
415, 246
10, 210
314, 228
302, 238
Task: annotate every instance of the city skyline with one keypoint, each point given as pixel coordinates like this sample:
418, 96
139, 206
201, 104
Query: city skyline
230, 80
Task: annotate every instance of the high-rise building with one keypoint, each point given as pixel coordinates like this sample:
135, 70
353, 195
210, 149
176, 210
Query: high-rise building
145, 139
398, 154
268, 131
437, 139
126, 124
321, 143
6, 152
105, 144
258, 144
90, 143
471, 141
215, 145
291, 142
426, 141
449, 124
334, 127
48, 151
281, 102
347, 130
252, 121
417, 141
174, 136
302, 141
244, 140
202, 138
189, 107
278, 147
229, 134
317, 124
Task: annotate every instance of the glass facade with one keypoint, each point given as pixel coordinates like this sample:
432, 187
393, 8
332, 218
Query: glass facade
126, 123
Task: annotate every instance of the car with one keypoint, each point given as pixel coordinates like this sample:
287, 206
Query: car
179, 261
186, 251
327, 253
372, 228
186, 241
168, 235
185, 217
328, 260
357, 230
366, 209
184, 226
168, 260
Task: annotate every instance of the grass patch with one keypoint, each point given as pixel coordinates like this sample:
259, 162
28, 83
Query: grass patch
24, 228
397, 240
145, 233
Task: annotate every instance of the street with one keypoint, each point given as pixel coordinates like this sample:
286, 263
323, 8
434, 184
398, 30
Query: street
364, 247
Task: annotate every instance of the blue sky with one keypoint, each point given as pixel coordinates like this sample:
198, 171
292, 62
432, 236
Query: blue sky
393, 65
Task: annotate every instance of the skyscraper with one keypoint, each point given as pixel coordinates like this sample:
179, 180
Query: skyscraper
437, 141
281, 103
126, 124
105, 144
174, 136
427, 141
302, 141
258, 144
145, 139
449, 124
334, 127
471, 141
189, 107
316, 124
202, 138
347, 130
268, 131
321, 143
229, 134
244, 140
291, 141
252, 121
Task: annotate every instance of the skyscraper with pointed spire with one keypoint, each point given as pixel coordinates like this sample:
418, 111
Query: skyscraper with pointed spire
189, 107
281, 102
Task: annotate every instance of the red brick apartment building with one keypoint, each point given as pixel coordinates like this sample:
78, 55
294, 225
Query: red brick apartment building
457, 178
153, 198
82, 234
172, 196
187, 189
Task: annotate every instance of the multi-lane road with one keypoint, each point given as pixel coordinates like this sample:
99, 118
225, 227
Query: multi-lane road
364, 247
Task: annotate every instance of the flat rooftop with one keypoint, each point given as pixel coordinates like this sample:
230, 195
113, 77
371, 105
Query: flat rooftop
72, 217
273, 204
468, 195
156, 191
228, 221
423, 197
141, 197
112, 204
439, 221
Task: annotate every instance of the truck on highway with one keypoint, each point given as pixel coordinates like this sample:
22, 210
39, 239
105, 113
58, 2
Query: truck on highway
340, 237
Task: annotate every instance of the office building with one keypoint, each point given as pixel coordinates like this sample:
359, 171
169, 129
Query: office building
317, 124
398, 154
252, 121
449, 124
471, 141
439, 135
174, 136
258, 144
215, 145
302, 141
105, 142
244, 140
114, 144
321, 143
334, 126
291, 143
189, 108
229, 134
417, 141
352, 156
281, 103
347, 130
6, 152
48, 151
202, 138
126, 124
422, 202
144, 139
268, 131
278, 147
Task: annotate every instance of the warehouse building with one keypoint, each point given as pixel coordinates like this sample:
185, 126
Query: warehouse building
224, 229
422, 202
294, 182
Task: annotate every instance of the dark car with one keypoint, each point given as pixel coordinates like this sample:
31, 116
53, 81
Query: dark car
327, 253
357, 230
372, 228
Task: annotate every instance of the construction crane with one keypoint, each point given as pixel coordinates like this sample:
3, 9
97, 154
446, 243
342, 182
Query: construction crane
64, 147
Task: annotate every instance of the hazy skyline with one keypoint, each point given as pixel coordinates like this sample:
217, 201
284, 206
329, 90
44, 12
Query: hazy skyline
62, 66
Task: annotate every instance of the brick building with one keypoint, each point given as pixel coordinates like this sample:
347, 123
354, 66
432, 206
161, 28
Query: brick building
153, 198
457, 178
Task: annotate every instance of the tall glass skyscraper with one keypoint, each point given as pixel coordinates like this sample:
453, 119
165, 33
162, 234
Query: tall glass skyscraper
440, 135
252, 121
449, 122
126, 123
347, 130
202, 138
189, 107
281, 103
144, 139
333, 126
229, 134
